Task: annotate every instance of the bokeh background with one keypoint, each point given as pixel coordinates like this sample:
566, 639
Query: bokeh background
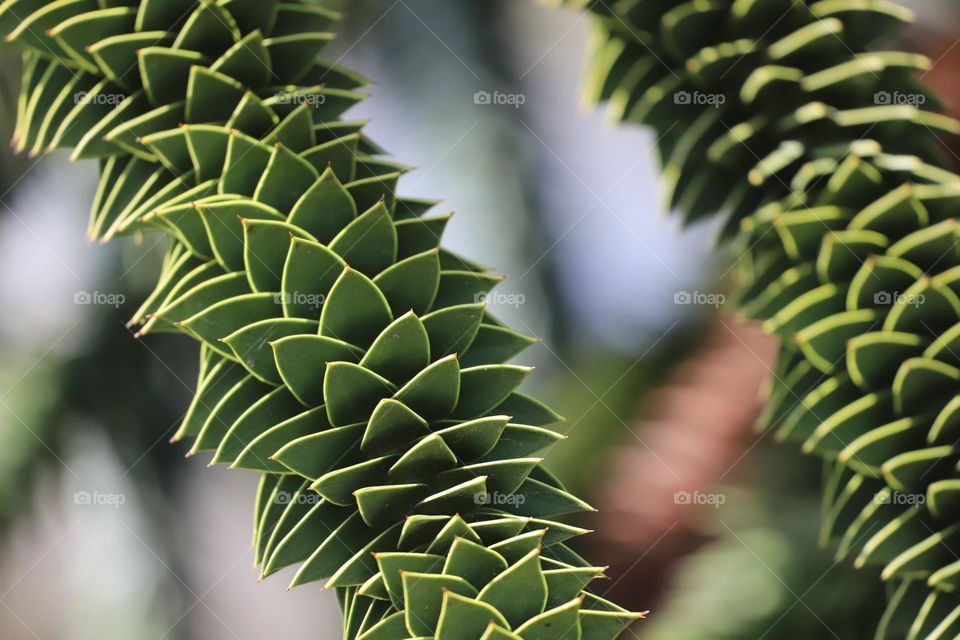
106, 531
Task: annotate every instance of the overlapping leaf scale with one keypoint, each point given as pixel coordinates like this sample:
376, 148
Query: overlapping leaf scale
868, 373
743, 93
824, 154
135, 86
362, 416
345, 355
490, 576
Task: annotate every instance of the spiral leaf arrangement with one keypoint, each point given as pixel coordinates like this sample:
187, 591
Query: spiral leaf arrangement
345, 356
823, 153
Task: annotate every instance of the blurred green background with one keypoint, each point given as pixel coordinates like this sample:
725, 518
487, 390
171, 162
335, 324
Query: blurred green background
106, 531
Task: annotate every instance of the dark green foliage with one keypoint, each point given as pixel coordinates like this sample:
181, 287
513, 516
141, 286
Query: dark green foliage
345, 355
822, 151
